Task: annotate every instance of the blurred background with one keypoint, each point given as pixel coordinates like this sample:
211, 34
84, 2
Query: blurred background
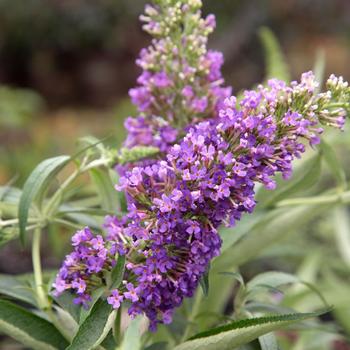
66, 67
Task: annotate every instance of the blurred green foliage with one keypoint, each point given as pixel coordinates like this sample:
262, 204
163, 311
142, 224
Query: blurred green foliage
18, 107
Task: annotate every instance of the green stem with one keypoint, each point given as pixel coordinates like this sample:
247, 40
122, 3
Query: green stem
67, 223
192, 316
11, 222
96, 164
117, 327
38, 276
338, 104
52, 205
41, 296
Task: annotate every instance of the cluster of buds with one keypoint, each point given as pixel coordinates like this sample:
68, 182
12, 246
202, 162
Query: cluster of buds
181, 81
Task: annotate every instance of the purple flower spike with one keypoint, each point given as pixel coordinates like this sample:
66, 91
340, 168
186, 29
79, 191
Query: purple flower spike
213, 150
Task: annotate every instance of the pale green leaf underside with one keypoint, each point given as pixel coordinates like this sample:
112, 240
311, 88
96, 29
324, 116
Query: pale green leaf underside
29, 329
94, 328
15, 288
268, 342
276, 66
238, 333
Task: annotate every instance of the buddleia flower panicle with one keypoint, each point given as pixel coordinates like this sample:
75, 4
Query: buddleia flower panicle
82, 269
208, 179
176, 205
181, 81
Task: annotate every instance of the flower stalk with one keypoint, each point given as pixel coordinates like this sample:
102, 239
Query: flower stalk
41, 295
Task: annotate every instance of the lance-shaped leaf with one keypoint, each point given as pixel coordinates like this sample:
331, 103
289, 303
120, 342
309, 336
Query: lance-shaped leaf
301, 181
15, 288
268, 342
342, 230
276, 66
95, 296
105, 190
118, 272
241, 332
132, 337
32, 331
277, 225
35, 185
65, 300
333, 163
274, 279
95, 327
204, 281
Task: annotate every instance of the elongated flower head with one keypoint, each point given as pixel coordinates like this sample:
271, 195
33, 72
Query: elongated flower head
181, 81
176, 205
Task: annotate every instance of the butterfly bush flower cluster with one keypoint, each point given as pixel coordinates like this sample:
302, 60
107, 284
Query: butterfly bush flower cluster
181, 81
214, 150
82, 270
207, 179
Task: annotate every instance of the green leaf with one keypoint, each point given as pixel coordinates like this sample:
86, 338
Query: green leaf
276, 66
17, 289
105, 190
118, 272
216, 301
109, 342
91, 144
274, 279
132, 338
95, 296
342, 230
79, 220
319, 69
129, 155
10, 194
29, 329
237, 276
231, 235
92, 141
36, 184
333, 164
65, 322
7, 234
9, 199
95, 328
162, 345
299, 183
268, 342
204, 281
120, 194
65, 300
277, 225
65, 209
241, 332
